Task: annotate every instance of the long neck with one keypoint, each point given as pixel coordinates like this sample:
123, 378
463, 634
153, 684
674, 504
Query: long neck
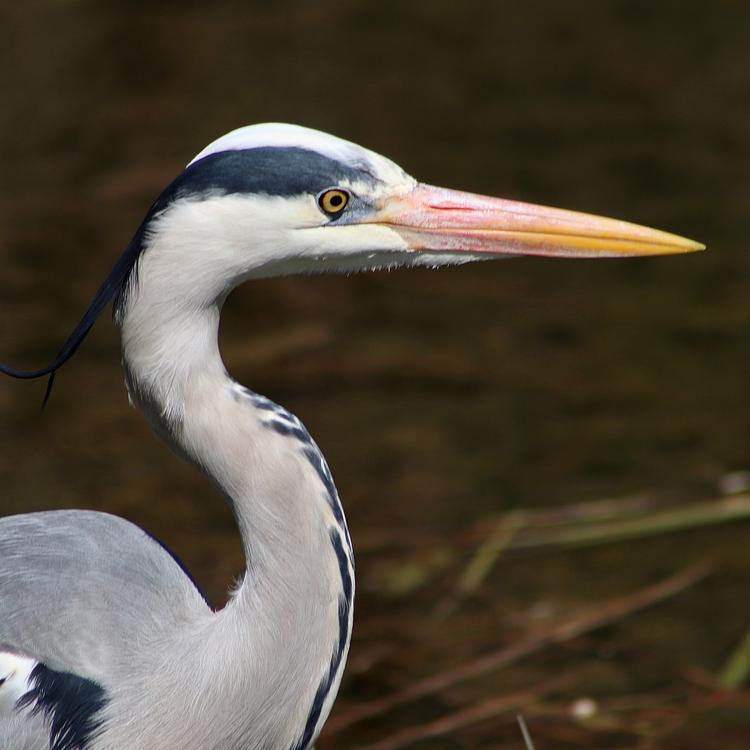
286, 629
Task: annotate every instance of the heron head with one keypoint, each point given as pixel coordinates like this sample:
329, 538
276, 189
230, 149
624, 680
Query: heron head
274, 199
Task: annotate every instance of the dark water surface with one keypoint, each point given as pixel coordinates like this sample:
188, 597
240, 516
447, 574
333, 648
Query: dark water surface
440, 399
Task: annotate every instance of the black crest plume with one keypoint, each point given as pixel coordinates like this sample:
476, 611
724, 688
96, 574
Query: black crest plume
112, 285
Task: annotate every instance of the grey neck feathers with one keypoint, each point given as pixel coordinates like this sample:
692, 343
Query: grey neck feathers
290, 619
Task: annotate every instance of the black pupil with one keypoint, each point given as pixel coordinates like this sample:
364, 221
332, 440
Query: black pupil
336, 200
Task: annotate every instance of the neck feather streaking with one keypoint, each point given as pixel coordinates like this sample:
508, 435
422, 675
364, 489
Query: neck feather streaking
297, 595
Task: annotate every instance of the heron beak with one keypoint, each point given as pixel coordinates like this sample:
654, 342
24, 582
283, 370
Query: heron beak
435, 219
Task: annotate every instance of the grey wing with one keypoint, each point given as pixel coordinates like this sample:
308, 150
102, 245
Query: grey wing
77, 590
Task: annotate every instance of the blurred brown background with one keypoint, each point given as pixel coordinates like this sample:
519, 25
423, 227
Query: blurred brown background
442, 399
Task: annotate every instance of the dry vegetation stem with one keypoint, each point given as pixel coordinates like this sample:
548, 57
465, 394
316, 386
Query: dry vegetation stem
486, 710
604, 614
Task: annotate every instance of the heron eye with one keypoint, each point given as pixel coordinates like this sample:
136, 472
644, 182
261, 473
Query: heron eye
333, 201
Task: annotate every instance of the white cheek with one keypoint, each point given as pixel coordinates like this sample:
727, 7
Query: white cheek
223, 239
348, 240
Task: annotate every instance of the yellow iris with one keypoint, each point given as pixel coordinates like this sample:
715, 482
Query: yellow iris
333, 201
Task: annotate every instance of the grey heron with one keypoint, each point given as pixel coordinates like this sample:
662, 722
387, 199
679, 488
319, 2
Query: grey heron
106, 643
